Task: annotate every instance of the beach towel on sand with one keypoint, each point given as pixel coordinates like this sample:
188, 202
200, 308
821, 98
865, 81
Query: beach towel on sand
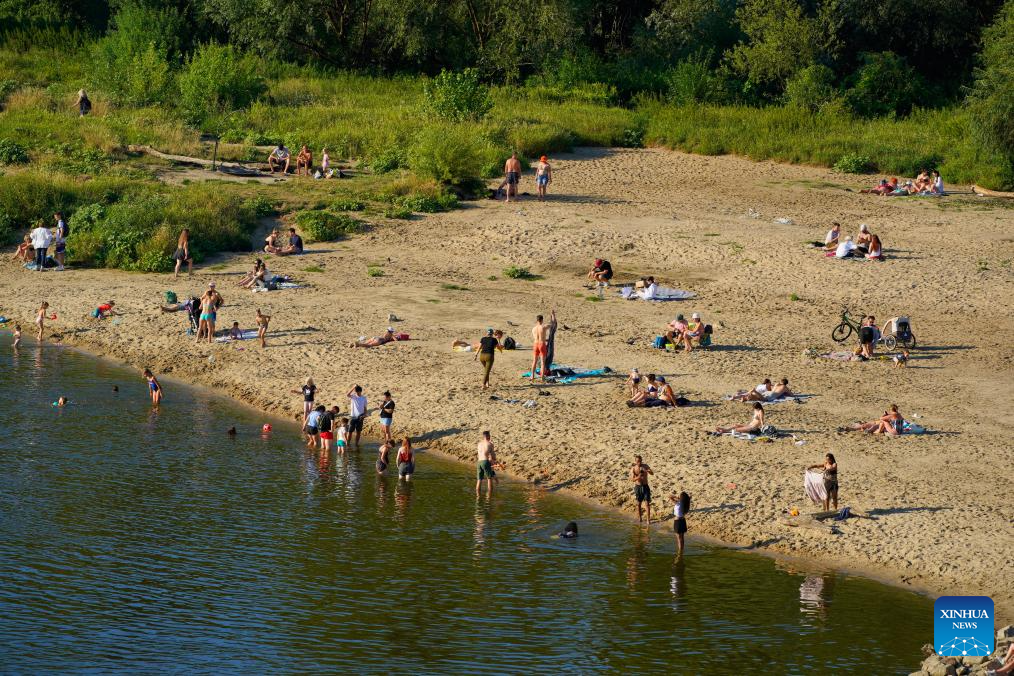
247, 335
813, 484
766, 433
662, 294
565, 374
798, 398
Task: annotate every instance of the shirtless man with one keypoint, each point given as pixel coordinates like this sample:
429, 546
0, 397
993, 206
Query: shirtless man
262, 326
642, 492
304, 162
540, 347
512, 174
486, 464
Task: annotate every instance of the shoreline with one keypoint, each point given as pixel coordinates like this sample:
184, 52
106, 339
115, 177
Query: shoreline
805, 563
697, 224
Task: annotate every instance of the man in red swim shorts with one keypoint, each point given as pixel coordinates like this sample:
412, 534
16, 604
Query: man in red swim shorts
540, 347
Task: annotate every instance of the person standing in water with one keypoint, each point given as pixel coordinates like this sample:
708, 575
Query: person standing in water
183, 254
642, 492
40, 318
512, 176
154, 387
17, 336
357, 411
679, 524
406, 460
486, 461
383, 454
387, 417
543, 177
262, 326
540, 348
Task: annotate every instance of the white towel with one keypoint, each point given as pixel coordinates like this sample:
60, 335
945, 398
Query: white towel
813, 484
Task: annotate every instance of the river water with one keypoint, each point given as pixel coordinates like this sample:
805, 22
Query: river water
148, 541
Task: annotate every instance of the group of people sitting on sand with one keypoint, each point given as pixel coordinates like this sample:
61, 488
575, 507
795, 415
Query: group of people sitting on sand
892, 423
656, 392
927, 183
865, 245
765, 392
273, 244
679, 332
280, 159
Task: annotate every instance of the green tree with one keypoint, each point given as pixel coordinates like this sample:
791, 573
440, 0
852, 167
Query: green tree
216, 81
780, 40
884, 85
991, 99
811, 88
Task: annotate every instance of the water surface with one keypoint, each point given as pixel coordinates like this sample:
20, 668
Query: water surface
139, 540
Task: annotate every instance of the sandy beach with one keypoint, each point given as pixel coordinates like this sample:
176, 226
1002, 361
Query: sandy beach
943, 518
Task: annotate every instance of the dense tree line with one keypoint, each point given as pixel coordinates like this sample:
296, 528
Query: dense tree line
756, 46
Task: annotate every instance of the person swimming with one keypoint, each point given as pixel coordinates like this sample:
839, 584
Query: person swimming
569, 531
62, 401
231, 431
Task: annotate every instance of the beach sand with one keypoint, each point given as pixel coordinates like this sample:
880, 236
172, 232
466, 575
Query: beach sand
943, 515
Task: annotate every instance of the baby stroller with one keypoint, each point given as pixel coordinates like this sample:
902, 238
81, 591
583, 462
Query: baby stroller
898, 331
193, 314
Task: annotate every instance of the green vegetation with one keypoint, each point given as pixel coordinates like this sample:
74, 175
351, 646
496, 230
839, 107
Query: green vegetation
454, 287
313, 268
324, 226
374, 271
516, 272
402, 213
348, 205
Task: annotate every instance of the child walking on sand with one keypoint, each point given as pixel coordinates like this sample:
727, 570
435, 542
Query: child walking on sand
156, 389
40, 317
262, 326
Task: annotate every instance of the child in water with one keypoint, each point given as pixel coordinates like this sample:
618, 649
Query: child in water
156, 389
341, 436
61, 402
17, 335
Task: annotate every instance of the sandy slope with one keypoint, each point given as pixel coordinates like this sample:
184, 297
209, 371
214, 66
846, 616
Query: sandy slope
945, 517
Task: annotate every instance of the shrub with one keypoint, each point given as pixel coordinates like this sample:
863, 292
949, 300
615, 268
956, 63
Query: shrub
374, 271
388, 160
692, 81
7, 87
450, 155
12, 153
457, 96
261, 206
884, 85
348, 205
853, 163
517, 272
217, 81
324, 226
402, 213
811, 88
428, 204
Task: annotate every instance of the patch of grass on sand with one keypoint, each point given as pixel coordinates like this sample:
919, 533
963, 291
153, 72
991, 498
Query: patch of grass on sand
313, 268
982, 265
492, 278
433, 300
454, 287
793, 297
374, 271
710, 234
517, 272
593, 299
217, 266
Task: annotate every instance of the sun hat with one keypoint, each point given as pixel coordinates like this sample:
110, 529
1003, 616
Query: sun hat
696, 315
390, 329
660, 379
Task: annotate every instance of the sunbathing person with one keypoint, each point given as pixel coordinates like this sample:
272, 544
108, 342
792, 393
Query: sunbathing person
184, 306
923, 182
648, 289
754, 425
271, 244
388, 337
763, 392
832, 236
304, 162
863, 239
259, 277
695, 331
781, 390
25, 252
882, 187
891, 423
641, 397
665, 392
876, 251
938, 184
248, 277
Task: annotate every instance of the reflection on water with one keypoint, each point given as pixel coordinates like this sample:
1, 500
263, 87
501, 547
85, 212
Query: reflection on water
153, 541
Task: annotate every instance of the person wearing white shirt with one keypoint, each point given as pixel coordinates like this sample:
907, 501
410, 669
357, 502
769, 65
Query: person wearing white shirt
41, 239
649, 290
831, 239
679, 513
846, 248
357, 411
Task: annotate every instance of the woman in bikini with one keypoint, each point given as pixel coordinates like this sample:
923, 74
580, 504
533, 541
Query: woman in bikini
830, 469
642, 396
891, 423
154, 387
40, 317
406, 460
271, 243
754, 425
183, 253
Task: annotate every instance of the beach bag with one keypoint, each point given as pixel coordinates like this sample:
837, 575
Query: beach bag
170, 297
509, 344
659, 343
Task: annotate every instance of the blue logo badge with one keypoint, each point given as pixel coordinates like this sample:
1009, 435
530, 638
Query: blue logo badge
963, 626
